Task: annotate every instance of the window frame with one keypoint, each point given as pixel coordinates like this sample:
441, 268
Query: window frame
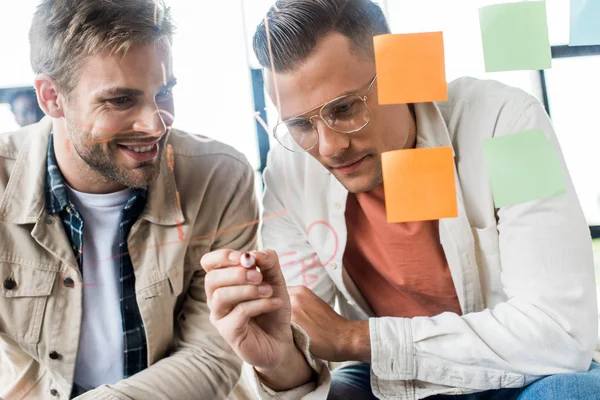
566, 51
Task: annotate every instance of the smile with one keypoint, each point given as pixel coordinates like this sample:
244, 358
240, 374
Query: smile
140, 152
140, 149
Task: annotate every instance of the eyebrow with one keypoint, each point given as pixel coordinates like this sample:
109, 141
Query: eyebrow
123, 91
303, 114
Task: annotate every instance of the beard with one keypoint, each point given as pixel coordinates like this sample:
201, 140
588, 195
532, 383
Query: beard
101, 158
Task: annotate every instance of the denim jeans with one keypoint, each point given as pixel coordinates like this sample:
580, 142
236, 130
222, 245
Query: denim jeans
354, 382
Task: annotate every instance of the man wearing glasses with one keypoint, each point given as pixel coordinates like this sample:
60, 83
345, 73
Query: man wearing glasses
494, 304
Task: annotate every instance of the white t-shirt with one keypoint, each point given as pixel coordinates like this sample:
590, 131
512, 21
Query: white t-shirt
100, 354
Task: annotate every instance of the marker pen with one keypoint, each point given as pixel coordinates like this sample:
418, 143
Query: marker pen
247, 260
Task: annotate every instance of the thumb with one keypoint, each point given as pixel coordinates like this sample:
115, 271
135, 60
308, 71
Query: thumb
268, 263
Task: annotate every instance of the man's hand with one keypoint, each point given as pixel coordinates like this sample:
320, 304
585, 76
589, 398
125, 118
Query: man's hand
332, 337
251, 309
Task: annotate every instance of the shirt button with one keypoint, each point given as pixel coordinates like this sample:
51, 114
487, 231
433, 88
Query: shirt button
459, 391
337, 206
68, 282
54, 355
10, 284
333, 265
48, 221
54, 392
68, 209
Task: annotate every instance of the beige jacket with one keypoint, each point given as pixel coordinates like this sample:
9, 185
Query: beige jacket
524, 274
187, 358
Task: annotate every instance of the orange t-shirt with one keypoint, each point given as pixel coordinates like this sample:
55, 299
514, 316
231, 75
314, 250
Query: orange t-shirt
400, 268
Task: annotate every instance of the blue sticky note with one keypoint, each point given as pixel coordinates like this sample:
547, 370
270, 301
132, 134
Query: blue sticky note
585, 22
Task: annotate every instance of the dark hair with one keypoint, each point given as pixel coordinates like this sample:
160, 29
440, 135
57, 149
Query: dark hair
64, 32
296, 26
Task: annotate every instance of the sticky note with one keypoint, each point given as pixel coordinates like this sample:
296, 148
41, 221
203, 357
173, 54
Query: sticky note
585, 22
419, 184
410, 68
515, 36
523, 167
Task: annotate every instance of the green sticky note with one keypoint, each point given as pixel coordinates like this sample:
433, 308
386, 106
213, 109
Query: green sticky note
523, 167
515, 36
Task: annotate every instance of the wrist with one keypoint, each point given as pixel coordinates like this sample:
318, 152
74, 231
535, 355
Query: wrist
294, 371
357, 344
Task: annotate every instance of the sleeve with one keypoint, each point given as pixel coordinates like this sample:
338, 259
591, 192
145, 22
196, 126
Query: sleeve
300, 266
202, 364
547, 326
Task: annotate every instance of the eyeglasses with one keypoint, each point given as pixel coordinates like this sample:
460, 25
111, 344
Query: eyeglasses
345, 114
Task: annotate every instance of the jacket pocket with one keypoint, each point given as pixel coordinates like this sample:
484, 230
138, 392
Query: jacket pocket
176, 281
24, 292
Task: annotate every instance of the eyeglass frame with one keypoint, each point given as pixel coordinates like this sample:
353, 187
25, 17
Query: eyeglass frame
319, 115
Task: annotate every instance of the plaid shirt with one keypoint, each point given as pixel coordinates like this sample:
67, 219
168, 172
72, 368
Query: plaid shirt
57, 202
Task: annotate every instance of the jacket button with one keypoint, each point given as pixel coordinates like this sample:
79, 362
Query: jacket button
54, 392
68, 282
54, 355
10, 284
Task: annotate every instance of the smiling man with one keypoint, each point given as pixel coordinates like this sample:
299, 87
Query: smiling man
483, 306
105, 213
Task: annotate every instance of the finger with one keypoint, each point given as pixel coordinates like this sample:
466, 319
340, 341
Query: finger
220, 259
268, 262
226, 299
301, 296
238, 319
296, 290
295, 293
232, 276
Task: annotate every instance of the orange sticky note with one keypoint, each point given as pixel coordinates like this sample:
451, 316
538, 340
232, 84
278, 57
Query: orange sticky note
410, 68
419, 184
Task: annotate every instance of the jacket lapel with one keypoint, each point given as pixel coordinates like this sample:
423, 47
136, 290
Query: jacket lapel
23, 201
24, 197
455, 233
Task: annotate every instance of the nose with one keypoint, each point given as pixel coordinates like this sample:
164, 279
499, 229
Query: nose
151, 122
331, 143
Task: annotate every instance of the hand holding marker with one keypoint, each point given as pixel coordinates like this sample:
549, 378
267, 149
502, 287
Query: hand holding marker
250, 307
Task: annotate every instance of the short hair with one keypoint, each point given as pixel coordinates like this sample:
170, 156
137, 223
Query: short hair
64, 32
296, 26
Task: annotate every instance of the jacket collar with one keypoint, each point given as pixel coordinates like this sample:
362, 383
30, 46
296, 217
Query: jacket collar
24, 198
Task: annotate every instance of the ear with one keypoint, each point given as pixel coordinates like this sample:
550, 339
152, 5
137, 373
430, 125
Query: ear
48, 95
